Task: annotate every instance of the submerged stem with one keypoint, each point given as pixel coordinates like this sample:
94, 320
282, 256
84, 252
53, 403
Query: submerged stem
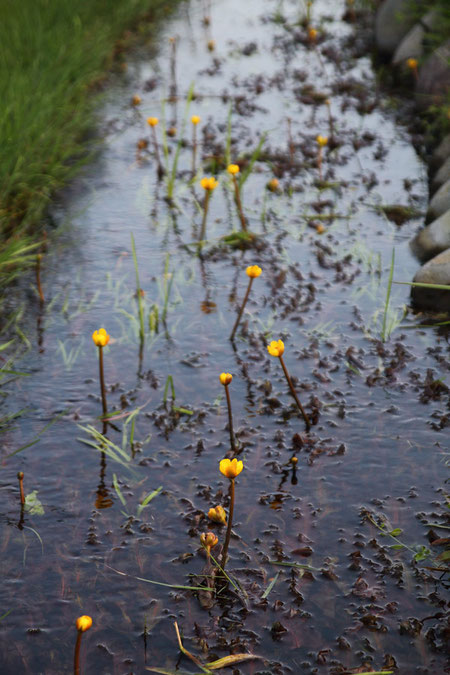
230, 523
237, 196
236, 324
230, 419
294, 394
102, 380
76, 658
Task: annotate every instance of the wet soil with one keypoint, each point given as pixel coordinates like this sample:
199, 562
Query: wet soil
348, 597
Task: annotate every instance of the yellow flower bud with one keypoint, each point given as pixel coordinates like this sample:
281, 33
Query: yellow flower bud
209, 183
253, 271
211, 45
172, 131
83, 623
100, 337
233, 169
208, 540
136, 99
152, 121
276, 348
322, 140
294, 461
195, 119
312, 33
412, 64
225, 378
218, 515
230, 468
273, 184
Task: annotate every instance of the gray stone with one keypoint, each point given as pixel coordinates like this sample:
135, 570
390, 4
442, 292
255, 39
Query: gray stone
393, 21
433, 239
442, 176
440, 202
411, 46
435, 271
433, 83
442, 152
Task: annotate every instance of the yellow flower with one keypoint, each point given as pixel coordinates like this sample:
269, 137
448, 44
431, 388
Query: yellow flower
152, 121
225, 378
294, 460
218, 515
211, 45
230, 468
273, 184
276, 348
100, 337
412, 63
233, 169
322, 140
312, 33
209, 183
253, 271
136, 99
208, 539
83, 623
195, 119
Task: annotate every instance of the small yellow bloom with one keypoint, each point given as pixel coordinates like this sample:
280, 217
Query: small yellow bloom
412, 64
322, 141
195, 119
294, 460
152, 121
211, 45
312, 33
225, 378
83, 623
100, 337
233, 169
136, 99
276, 348
209, 183
273, 184
253, 271
218, 515
230, 468
208, 539
320, 228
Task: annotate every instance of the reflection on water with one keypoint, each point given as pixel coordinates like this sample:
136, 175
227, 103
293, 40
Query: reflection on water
342, 599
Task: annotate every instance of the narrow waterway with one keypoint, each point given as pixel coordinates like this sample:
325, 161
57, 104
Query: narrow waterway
377, 451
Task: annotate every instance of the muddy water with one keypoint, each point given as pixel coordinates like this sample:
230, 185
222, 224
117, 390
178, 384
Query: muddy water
378, 447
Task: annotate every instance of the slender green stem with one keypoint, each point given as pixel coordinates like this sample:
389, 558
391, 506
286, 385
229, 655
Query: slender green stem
239, 316
102, 380
388, 296
230, 523
237, 197
76, 658
205, 213
294, 394
230, 419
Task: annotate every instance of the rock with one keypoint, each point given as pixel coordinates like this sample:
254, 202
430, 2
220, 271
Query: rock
433, 239
393, 21
440, 202
411, 45
433, 83
435, 271
442, 176
442, 152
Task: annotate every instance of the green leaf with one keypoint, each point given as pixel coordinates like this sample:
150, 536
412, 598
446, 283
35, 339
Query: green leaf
396, 532
148, 499
270, 586
231, 660
32, 504
397, 546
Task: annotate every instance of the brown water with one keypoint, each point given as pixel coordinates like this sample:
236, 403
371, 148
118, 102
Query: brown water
380, 442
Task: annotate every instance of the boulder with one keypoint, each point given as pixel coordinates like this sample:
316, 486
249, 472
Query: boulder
435, 271
433, 83
433, 239
442, 152
442, 176
411, 46
393, 21
440, 202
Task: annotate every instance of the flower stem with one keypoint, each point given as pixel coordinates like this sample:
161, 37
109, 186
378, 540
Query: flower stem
76, 659
194, 148
230, 522
237, 196
22, 494
102, 380
205, 213
294, 394
241, 310
230, 419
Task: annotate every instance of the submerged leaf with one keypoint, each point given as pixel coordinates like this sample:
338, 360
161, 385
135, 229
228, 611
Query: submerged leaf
231, 660
33, 505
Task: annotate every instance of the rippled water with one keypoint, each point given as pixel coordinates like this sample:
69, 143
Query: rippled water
380, 441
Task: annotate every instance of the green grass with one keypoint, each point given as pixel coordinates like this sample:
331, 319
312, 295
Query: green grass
53, 56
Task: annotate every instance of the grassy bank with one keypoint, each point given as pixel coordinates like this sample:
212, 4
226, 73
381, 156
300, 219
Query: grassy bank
52, 53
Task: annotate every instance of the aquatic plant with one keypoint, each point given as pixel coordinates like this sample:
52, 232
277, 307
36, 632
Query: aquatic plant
276, 348
152, 122
208, 540
412, 65
83, 623
225, 379
233, 170
195, 119
312, 35
253, 271
322, 141
22, 493
230, 469
208, 184
101, 339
